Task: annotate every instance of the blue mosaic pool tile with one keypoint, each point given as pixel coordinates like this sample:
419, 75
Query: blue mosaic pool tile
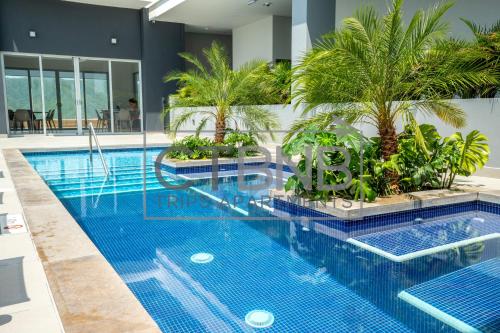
427, 235
310, 281
221, 167
469, 296
394, 218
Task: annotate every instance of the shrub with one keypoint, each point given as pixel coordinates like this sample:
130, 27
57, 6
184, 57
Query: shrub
425, 161
200, 147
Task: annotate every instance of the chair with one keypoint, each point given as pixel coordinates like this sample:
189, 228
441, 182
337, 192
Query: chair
100, 121
11, 119
123, 116
106, 120
49, 119
20, 117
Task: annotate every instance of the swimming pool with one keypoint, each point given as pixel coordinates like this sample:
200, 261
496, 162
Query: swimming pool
310, 281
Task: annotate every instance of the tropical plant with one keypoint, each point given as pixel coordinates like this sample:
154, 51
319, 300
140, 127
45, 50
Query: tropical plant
431, 165
193, 147
437, 163
473, 153
488, 40
380, 71
190, 147
222, 95
366, 185
281, 81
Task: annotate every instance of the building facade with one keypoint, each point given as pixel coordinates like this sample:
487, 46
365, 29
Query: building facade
66, 64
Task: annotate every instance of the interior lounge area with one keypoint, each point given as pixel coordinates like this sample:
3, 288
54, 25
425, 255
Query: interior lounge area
63, 95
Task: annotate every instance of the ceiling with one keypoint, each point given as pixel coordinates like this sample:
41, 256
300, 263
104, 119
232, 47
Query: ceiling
219, 16
134, 4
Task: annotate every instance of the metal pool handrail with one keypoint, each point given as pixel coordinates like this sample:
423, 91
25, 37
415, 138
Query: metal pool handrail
92, 134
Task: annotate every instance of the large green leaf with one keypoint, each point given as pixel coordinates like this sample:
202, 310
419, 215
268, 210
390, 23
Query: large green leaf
474, 151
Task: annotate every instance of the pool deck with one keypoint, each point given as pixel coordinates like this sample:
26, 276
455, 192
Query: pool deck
26, 303
66, 284
88, 294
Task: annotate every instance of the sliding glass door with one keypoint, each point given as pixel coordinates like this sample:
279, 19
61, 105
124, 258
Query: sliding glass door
24, 103
59, 94
62, 95
94, 91
126, 101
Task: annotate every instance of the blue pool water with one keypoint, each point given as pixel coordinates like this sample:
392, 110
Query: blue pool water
310, 280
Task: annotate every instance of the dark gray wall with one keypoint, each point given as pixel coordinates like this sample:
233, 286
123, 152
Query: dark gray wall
3, 116
161, 43
66, 28
196, 42
319, 15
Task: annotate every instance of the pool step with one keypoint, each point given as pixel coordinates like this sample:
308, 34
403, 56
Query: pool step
107, 184
98, 183
100, 178
97, 170
106, 190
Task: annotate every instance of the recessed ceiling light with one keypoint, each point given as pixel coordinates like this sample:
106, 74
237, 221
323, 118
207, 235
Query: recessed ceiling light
267, 4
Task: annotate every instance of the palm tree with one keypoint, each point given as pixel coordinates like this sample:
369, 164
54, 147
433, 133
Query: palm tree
380, 71
488, 40
222, 95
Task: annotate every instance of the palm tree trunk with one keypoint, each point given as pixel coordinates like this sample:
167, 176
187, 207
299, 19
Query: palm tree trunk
220, 129
389, 147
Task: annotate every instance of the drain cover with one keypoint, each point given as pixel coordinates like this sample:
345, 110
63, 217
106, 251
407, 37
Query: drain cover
259, 318
202, 258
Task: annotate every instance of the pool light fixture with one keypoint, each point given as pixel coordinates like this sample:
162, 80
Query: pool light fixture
419, 220
202, 258
478, 219
259, 318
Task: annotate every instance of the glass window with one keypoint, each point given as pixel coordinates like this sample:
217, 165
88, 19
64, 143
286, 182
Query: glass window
17, 88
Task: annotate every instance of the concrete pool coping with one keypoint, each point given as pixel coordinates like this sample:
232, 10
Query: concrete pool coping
89, 295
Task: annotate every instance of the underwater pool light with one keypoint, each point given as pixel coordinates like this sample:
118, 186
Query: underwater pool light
478, 219
202, 258
259, 318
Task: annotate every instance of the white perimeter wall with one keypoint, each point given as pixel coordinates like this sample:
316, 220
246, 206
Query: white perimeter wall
484, 12
482, 114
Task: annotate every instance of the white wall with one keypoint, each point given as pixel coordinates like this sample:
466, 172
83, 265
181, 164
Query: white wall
484, 12
253, 41
482, 114
267, 39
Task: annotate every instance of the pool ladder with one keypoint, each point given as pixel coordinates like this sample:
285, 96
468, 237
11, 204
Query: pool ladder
93, 135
